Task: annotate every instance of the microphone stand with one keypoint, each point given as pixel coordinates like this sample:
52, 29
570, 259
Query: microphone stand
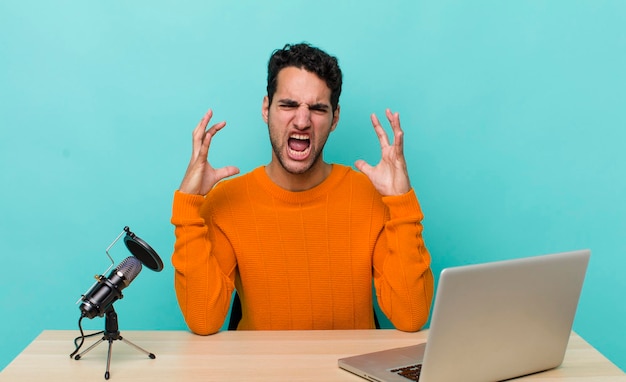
111, 333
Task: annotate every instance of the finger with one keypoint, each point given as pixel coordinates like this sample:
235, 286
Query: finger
389, 115
380, 132
208, 136
215, 128
398, 133
394, 120
398, 142
198, 131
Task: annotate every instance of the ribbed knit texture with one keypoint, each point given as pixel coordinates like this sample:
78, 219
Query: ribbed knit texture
300, 260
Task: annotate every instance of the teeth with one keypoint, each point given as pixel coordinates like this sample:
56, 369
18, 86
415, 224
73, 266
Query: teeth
301, 137
299, 154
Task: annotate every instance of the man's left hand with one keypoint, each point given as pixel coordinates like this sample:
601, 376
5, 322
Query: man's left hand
390, 176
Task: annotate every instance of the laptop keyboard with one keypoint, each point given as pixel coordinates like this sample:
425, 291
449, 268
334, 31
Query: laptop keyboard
411, 372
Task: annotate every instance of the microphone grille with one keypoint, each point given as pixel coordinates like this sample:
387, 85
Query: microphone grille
130, 268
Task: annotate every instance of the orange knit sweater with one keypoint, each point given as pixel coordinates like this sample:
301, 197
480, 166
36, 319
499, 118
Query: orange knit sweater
300, 260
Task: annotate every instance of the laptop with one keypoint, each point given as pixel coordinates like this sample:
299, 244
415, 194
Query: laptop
490, 322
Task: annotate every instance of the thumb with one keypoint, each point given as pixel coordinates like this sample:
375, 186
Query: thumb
226, 172
363, 166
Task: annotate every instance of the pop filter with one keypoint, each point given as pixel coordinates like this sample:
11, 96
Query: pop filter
142, 251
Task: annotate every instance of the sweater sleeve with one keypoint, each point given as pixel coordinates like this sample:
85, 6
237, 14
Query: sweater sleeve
402, 274
203, 289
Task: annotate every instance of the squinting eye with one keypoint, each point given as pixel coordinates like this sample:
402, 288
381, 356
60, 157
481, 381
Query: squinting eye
319, 110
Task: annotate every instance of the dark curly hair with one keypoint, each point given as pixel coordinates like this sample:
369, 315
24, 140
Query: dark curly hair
310, 58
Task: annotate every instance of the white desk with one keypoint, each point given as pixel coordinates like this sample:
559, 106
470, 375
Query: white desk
249, 356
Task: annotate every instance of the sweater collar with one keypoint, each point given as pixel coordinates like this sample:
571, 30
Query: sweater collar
337, 173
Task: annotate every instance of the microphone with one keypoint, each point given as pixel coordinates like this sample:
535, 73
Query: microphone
99, 299
109, 289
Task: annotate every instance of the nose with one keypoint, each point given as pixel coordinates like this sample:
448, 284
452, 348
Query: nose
302, 119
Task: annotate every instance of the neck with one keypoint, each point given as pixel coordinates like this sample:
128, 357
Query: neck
298, 182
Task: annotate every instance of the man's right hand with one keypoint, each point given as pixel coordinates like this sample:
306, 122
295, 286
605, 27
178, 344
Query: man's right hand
201, 176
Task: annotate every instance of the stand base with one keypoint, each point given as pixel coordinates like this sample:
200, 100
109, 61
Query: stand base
110, 337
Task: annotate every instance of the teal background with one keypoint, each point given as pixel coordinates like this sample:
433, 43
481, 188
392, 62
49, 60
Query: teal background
513, 112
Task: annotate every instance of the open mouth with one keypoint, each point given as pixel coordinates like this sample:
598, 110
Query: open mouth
299, 146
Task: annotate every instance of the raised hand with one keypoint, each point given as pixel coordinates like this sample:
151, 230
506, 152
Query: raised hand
201, 176
390, 175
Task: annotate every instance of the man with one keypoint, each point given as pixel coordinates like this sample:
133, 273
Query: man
300, 239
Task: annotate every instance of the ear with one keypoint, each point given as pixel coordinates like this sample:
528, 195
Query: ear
265, 110
335, 118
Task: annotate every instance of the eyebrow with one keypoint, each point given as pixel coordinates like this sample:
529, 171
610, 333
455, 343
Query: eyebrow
315, 106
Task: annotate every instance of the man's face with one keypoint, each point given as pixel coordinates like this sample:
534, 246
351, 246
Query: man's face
299, 119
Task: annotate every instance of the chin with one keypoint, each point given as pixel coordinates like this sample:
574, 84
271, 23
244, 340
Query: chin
298, 169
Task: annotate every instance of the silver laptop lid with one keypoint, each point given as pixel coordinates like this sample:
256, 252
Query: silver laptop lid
504, 319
